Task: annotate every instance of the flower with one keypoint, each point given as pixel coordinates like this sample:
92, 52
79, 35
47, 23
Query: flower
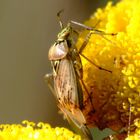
115, 95
31, 131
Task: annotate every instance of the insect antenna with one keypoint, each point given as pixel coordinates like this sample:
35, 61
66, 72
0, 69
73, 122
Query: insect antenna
59, 18
93, 30
96, 31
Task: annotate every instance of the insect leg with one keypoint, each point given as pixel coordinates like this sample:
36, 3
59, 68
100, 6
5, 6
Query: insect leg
82, 48
100, 68
89, 96
85, 42
48, 79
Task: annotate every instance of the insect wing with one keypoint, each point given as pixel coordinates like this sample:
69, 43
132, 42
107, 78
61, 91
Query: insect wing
58, 51
79, 128
65, 84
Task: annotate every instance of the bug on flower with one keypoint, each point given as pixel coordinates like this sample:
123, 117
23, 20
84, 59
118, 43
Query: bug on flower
67, 77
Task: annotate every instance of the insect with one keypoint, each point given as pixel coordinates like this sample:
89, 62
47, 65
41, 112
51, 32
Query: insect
68, 77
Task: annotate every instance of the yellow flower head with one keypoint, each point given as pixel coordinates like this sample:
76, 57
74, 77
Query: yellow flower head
31, 131
115, 95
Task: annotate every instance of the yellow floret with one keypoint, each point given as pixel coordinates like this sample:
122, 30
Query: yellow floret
116, 95
31, 131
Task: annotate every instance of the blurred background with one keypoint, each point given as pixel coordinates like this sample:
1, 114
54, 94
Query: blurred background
27, 29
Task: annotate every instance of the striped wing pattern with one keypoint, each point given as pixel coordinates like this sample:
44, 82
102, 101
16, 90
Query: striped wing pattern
65, 84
